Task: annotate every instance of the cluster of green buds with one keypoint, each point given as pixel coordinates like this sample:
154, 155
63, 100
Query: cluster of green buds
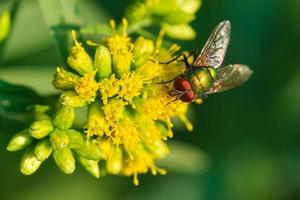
128, 116
48, 136
173, 16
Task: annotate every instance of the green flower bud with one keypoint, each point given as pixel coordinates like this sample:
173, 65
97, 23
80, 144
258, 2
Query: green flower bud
38, 108
178, 17
189, 6
29, 163
40, 129
59, 139
136, 12
90, 165
79, 59
19, 141
75, 139
64, 160
70, 98
4, 25
64, 117
143, 48
122, 62
114, 163
102, 62
158, 148
180, 31
90, 151
43, 150
96, 120
64, 80
162, 7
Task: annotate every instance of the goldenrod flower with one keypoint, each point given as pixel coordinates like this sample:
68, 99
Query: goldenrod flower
129, 113
133, 117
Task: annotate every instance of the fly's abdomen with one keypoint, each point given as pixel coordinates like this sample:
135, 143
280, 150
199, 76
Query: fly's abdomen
201, 80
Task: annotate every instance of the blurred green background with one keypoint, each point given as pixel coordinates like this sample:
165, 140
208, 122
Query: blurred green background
250, 136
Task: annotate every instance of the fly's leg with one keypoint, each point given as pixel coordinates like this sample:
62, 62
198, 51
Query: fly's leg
169, 81
185, 60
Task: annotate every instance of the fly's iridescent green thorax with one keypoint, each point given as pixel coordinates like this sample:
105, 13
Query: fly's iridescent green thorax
201, 79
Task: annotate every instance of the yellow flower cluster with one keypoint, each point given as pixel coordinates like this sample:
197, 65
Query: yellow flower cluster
129, 111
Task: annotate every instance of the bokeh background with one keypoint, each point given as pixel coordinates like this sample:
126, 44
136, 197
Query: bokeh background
247, 140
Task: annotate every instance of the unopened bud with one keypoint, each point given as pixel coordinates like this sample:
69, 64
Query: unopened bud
64, 160
79, 59
64, 80
43, 149
103, 62
136, 12
64, 117
114, 163
180, 31
29, 163
19, 141
90, 165
178, 17
75, 139
143, 48
70, 98
40, 129
59, 139
122, 62
90, 151
96, 120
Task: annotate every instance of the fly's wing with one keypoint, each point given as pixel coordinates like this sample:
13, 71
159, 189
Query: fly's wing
231, 76
213, 52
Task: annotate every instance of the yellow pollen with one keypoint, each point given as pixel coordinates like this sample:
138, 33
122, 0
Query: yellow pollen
87, 87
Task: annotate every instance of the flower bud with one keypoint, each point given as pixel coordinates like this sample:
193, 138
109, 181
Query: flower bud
59, 139
40, 129
70, 98
64, 160
103, 62
90, 165
180, 31
64, 117
19, 141
143, 48
90, 151
136, 12
79, 59
189, 6
29, 163
43, 149
122, 62
114, 163
178, 17
64, 80
4, 25
75, 139
96, 120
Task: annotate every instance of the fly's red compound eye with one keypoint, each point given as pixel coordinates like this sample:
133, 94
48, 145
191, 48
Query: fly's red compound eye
188, 96
181, 84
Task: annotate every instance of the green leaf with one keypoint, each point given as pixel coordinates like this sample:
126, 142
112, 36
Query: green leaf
61, 17
15, 98
185, 159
